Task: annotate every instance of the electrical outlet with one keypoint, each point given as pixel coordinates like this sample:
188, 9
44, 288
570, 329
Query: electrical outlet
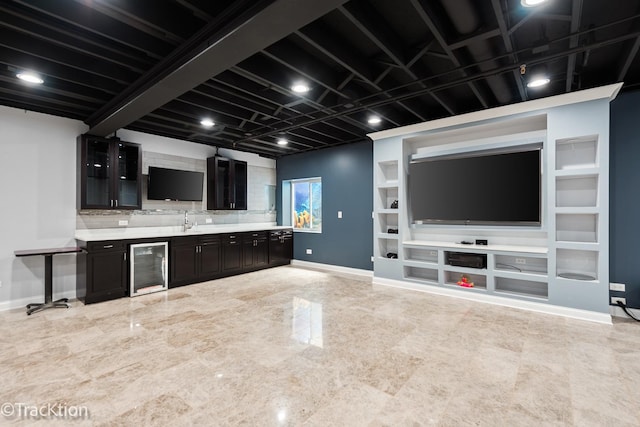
614, 300
208, 220
521, 261
123, 222
309, 251
620, 287
371, 261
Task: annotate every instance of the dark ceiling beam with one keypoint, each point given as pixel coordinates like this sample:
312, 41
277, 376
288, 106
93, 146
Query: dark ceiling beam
222, 94
298, 61
101, 26
163, 22
316, 107
197, 12
56, 88
42, 98
301, 63
365, 22
531, 14
363, 105
508, 44
228, 80
19, 60
576, 13
72, 39
633, 52
348, 59
66, 57
421, 52
554, 17
253, 26
485, 35
422, 13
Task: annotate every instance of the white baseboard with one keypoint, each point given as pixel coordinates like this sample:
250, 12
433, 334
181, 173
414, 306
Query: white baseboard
330, 267
22, 302
498, 300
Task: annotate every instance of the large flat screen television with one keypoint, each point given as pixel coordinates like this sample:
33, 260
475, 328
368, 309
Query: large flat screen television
490, 188
172, 184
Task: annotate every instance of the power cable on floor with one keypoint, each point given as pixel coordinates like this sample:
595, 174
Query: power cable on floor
624, 307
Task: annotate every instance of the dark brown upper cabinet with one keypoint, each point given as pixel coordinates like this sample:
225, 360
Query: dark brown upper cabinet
109, 174
226, 184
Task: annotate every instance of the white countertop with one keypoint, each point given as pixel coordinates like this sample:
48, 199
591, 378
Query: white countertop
146, 232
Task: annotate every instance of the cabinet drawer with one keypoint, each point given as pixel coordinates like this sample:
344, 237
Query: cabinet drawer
230, 238
255, 235
106, 245
182, 241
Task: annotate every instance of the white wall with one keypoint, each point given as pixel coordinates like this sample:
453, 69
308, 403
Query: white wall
38, 194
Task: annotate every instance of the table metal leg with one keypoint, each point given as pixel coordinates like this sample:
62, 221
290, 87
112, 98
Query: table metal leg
48, 290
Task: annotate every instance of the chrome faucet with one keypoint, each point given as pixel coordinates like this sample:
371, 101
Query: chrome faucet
186, 225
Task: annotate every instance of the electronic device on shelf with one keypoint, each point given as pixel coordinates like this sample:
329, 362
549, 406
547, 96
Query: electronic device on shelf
462, 259
392, 231
392, 255
482, 242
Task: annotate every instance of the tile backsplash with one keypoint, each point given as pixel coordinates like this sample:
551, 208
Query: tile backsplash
160, 213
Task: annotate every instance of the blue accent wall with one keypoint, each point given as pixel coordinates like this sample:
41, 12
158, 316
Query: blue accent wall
624, 208
347, 186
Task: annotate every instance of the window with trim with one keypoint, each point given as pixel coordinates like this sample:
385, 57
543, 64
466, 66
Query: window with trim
306, 204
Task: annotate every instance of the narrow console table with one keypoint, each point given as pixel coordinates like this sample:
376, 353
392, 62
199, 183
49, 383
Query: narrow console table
48, 280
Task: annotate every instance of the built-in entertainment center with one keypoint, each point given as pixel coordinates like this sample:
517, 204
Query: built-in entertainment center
530, 180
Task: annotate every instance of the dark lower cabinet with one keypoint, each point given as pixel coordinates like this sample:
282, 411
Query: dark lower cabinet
194, 259
255, 250
103, 274
210, 257
280, 247
231, 253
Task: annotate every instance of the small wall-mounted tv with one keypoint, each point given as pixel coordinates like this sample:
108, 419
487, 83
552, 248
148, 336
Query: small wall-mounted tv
490, 188
172, 184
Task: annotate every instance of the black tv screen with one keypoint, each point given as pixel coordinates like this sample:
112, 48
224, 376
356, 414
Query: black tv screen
493, 189
172, 184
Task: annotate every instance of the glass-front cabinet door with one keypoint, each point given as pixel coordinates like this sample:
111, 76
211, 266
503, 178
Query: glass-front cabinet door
110, 174
97, 191
128, 178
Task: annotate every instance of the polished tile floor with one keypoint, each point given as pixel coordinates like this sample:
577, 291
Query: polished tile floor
290, 346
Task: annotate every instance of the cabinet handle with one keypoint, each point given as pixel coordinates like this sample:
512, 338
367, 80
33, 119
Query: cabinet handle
125, 256
232, 243
107, 246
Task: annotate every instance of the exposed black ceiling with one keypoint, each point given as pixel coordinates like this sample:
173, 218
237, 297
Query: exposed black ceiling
160, 66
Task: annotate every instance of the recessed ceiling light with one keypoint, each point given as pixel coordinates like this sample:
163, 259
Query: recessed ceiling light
300, 88
374, 120
282, 141
207, 123
532, 3
30, 77
539, 81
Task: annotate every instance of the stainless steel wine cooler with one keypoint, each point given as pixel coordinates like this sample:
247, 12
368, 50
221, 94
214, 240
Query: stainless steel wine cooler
149, 268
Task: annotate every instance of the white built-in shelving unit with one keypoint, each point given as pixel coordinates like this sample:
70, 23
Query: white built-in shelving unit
560, 266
